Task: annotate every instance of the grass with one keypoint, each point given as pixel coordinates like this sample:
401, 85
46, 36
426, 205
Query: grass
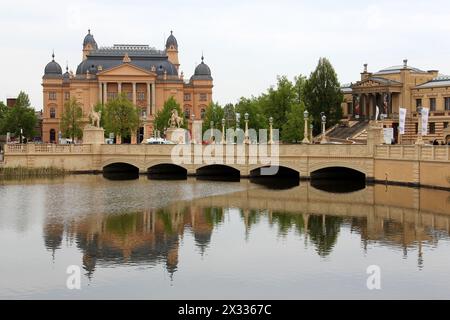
25, 173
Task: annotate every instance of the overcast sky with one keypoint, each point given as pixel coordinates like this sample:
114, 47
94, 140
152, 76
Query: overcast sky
245, 43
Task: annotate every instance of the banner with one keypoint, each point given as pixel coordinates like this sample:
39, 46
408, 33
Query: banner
402, 120
388, 134
377, 113
425, 113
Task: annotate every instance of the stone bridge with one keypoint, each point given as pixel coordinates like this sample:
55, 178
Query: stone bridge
404, 164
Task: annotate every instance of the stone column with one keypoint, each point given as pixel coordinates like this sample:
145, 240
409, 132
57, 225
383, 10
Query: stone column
134, 93
149, 111
154, 98
100, 96
105, 89
119, 88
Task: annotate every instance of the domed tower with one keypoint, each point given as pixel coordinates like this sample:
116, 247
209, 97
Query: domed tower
89, 45
53, 68
172, 50
202, 72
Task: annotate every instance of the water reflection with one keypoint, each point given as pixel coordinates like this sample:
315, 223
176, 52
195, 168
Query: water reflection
152, 236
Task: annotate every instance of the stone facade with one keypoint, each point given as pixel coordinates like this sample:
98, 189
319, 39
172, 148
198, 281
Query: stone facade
396, 87
147, 76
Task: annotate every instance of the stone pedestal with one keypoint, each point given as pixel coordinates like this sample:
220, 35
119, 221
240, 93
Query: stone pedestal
176, 135
93, 135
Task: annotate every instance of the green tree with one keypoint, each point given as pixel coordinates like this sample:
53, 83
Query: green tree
71, 119
162, 116
214, 113
299, 88
229, 114
121, 116
293, 129
277, 102
323, 94
256, 117
21, 116
3, 112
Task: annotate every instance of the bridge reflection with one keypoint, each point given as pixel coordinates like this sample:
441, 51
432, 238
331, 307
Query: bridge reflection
379, 215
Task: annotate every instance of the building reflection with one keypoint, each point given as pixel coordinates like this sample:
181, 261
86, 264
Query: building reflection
153, 237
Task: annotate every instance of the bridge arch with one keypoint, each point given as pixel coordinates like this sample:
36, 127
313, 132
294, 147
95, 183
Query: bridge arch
336, 166
111, 161
120, 171
280, 171
168, 171
218, 172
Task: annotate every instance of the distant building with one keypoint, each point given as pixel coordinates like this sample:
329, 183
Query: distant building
146, 75
401, 86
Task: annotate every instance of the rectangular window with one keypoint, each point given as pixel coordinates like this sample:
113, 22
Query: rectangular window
187, 97
418, 103
141, 96
432, 129
447, 103
112, 95
445, 125
66, 96
417, 128
130, 96
432, 104
52, 95
203, 97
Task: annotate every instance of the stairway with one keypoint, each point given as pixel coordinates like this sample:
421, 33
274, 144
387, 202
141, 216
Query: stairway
355, 128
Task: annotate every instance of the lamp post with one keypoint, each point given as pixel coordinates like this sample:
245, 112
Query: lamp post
144, 120
324, 122
270, 130
305, 134
223, 131
247, 139
419, 125
192, 128
21, 133
211, 126
311, 127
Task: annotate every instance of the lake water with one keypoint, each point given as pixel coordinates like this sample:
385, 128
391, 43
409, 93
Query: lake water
192, 239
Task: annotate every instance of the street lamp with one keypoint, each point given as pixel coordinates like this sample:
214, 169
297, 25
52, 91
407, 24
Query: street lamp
21, 133
223, 130
419, 125
324, 122
192, 128
247, 139
305, 134
311, 127
211, 125
270, 130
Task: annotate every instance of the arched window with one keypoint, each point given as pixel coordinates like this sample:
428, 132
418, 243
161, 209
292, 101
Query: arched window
52, 113
52, 135
202, 113
187, 112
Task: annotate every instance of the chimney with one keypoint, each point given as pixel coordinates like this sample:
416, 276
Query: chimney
365, 67
405, 63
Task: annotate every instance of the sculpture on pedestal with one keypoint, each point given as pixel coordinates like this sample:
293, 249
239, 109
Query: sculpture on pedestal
175, 121
95, 118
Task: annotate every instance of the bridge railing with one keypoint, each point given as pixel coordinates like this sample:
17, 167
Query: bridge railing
413, 152
47, 148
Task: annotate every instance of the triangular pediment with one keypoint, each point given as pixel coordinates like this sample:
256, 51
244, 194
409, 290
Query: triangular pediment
126, 69
376, 82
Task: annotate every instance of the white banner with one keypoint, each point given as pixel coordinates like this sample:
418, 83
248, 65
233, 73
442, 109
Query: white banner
377, 114
425, 113
402, 120
388, 135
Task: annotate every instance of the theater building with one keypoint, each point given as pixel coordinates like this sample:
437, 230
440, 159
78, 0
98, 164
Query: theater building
397, 87
148, 76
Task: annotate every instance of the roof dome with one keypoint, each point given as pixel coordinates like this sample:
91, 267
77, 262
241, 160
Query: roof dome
171, 41
89, 39
53, 68
66, 75
202, 72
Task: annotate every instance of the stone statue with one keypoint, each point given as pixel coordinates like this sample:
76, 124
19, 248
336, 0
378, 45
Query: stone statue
95, 118
175, 120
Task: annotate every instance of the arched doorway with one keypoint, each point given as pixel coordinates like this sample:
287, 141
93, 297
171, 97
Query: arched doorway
52, 135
